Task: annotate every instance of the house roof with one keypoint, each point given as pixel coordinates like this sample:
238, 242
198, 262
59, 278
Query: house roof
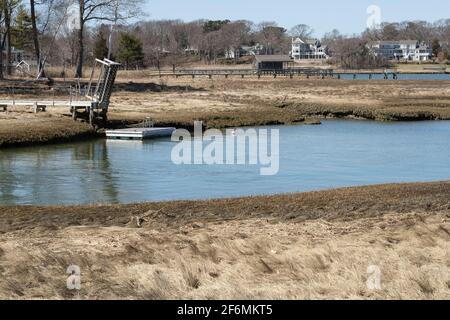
410, 42
308, 41
273, 58
312, 41
407, 42
297, 40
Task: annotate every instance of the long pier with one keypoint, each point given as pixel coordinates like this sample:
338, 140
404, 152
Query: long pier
251, 72
288, 72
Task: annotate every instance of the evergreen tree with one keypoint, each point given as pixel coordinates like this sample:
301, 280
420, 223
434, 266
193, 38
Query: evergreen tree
130, 50
214, 25
22, 29
436, 46
100, 46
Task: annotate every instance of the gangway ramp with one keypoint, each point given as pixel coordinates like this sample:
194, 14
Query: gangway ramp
95, 102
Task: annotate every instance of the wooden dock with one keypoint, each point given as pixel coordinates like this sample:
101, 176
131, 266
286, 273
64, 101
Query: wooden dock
250, 72
139, 133
306, 72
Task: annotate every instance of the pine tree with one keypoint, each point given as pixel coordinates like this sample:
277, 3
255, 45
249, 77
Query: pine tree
22, 29
100, 46
436, 46
130, 50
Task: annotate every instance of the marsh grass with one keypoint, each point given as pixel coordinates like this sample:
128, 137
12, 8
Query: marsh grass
247, 248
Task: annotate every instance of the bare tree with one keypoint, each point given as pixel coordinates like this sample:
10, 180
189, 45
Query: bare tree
272, 36
234, 35
102, 10
37, 49
353, 53
5, 33
301, 30
8, 8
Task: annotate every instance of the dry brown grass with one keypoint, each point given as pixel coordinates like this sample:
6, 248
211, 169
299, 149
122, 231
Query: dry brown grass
299, 246
26, 128
252, 101
237, 102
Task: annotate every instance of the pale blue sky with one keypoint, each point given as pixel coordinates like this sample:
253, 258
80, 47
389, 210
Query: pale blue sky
348, 16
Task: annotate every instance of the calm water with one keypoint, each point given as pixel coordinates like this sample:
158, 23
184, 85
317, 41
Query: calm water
337, 153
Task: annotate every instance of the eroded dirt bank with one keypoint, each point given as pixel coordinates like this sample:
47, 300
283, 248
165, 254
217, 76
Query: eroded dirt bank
307, 245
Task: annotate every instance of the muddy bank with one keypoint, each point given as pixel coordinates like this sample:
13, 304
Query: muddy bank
38, 131
364, 113
343, 204
298, 246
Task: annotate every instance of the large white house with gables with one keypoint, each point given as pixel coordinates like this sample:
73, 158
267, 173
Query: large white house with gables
308, 49
407, 50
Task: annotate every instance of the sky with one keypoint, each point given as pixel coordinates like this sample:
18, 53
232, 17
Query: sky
348, 16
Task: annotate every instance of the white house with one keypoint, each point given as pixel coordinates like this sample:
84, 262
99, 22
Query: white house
243, 51
310, 49
191, 50
409, 50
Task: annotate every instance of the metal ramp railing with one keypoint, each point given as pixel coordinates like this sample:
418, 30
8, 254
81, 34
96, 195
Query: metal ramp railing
96, 97
101, 92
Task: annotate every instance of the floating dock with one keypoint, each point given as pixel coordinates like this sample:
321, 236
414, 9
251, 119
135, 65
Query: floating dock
139, 133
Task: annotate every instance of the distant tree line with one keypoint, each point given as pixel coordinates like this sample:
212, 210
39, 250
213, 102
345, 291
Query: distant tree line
71, 33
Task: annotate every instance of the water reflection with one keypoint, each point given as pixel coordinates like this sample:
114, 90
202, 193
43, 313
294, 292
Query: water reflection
69, 173
335, 154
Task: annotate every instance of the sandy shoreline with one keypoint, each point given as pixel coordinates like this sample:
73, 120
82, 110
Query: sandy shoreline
222, 103
295, 246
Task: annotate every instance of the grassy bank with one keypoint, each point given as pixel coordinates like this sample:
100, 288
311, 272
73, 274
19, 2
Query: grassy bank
233, 102
307, 245
25, 131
